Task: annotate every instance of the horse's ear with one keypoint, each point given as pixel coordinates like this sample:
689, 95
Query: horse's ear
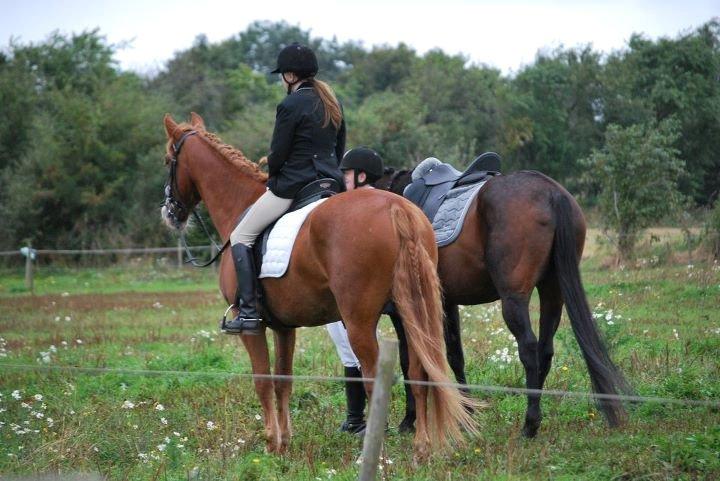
170, 126
197, 121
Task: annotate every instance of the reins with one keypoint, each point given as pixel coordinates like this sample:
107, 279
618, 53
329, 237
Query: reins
173, 204
192, 259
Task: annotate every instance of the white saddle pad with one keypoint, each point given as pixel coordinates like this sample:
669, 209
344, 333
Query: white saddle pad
281, 241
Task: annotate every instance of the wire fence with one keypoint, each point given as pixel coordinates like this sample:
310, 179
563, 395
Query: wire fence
379, 404
32, 255
124, 250
487, 388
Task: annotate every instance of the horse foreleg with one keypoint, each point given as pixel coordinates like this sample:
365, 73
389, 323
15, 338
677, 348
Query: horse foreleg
407, 425
517, 317
257, 348
453, 343
284, 350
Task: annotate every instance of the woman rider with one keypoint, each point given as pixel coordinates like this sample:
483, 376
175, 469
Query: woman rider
361, 167
307, 143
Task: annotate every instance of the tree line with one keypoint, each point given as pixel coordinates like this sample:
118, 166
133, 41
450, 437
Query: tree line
634, 133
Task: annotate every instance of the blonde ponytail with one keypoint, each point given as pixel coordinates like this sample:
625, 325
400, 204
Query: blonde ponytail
333, 113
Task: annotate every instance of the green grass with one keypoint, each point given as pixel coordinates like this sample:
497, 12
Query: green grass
139, 276
664, 332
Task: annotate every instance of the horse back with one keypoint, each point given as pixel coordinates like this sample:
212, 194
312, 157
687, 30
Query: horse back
347, 242
506, 238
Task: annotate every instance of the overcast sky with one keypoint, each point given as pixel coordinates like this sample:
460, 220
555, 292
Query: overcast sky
503, 34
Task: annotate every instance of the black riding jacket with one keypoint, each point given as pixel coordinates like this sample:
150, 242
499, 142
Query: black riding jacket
302, 150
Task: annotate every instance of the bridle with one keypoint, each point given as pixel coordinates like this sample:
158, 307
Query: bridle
177, 209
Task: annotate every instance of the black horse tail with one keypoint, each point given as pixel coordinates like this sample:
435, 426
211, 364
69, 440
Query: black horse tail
605, 376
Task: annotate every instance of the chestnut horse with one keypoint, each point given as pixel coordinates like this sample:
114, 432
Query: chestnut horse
523, 231
329, 277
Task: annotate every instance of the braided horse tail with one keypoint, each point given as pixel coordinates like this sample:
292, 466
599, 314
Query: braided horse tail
417, 296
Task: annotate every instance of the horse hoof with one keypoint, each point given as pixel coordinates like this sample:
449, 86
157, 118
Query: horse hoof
407, 425
529, 431
420, 456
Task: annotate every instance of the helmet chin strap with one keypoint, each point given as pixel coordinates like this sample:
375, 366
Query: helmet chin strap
290, 84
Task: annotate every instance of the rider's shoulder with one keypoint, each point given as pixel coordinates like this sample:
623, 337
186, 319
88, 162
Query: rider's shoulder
295, 101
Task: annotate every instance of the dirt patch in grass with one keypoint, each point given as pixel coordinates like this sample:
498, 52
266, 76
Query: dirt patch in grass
125, 300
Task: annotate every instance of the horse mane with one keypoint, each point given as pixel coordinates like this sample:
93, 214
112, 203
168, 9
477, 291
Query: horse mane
233, 156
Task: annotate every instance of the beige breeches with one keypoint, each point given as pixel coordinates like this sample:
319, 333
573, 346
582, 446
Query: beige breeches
266, 210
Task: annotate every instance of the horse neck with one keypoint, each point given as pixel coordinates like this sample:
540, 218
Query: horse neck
226, 190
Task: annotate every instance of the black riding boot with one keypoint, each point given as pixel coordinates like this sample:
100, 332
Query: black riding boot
355, 396
248, 319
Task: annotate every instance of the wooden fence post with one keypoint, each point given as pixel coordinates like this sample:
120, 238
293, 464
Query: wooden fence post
29, 284
179, 254
375, 432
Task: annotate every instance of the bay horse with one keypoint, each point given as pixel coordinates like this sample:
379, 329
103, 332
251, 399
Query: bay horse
329, 278
522, 231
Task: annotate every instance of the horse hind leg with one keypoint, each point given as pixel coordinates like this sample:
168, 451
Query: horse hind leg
284, 351
407, 425
550, 312
517, 317
455, 357
551, 305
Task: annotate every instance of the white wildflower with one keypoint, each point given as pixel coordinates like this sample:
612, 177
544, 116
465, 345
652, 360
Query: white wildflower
159, 407
128, 404
164, 421
16, 394
38, 397
211, 426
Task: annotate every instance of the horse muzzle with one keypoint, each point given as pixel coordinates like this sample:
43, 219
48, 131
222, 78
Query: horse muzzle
170, 217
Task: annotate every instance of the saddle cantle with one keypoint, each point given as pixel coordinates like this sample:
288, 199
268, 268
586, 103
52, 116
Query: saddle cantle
432, 180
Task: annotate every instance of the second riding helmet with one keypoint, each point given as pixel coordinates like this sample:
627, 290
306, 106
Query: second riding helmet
364, 159
297, 58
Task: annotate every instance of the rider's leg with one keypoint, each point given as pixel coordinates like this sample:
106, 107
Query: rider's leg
355, 395
266, 210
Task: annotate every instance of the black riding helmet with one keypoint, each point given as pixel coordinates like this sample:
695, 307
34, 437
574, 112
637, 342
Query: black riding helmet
298, 59
363, 159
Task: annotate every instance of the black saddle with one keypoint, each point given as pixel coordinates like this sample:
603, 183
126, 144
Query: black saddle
429, 191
